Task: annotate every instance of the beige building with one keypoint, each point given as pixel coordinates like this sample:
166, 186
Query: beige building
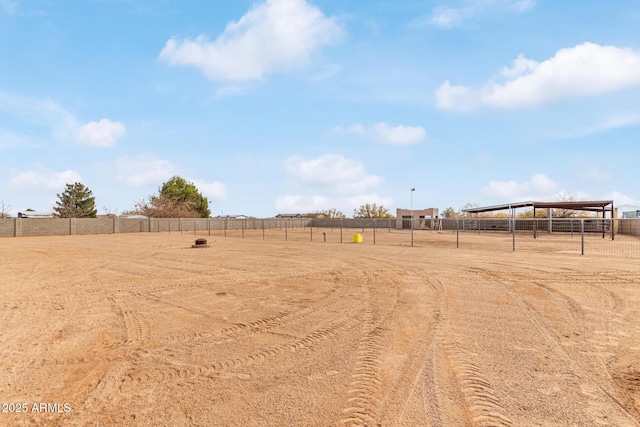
423, 218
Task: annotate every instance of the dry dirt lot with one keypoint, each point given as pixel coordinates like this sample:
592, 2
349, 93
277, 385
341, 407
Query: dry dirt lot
140, 329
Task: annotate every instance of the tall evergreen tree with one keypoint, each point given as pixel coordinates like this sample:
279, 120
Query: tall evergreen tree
76, 201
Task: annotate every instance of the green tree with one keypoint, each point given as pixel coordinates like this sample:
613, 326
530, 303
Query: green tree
180, 191
76, 201
371, 211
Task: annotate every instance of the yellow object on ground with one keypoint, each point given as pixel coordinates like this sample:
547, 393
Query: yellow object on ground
357, 238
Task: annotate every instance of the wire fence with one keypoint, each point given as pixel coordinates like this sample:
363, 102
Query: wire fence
607, 237
580, 236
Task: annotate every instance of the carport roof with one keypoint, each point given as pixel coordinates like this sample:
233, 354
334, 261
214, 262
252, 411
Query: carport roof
585, 205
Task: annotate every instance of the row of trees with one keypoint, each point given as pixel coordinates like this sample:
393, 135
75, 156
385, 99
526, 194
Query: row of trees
176, 198
365, 211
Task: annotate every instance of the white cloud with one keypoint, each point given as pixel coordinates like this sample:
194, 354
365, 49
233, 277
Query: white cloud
385, 132
43, 178
333, 181
11, 139
9, 7
523, 5
539, 187
274, 36
104, 133
61, 124
622, 199
447, 17
399, 135
143, 170
214, 190
297, 203
332, 171
40, 113
355, 129
621, 120
584, 70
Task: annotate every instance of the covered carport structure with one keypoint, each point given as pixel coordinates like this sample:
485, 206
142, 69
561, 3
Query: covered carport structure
598, 206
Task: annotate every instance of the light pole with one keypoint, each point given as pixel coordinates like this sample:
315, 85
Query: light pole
412, 190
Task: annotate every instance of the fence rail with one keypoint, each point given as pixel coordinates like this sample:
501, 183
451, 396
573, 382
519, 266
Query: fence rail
613, 237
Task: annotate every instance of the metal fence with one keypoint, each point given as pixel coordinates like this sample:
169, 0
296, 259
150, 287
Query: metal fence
581, 236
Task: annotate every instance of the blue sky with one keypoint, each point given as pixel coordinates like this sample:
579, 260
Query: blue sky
295, 106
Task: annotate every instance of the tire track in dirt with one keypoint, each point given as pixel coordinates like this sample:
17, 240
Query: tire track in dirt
483, 407
581, 346
365, 393
594, 384
406, 386
164, 374
466, 395
264, 324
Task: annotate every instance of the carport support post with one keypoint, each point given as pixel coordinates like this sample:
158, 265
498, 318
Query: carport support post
513, 227
582, 236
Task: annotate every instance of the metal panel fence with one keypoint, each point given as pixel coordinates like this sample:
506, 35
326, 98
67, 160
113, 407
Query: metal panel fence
610, 237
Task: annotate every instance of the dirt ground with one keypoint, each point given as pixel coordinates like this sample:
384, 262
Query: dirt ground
141, 329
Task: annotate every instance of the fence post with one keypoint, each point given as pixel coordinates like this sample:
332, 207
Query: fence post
513, 227
180, 225
374, 231
194, 227
242, 226
311, 228
582, 236
225, 227
340, 230
262, 228
286, 231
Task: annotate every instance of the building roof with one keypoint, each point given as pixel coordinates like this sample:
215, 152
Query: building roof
291, 215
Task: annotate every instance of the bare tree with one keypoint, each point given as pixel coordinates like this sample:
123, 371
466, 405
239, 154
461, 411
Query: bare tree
564, 212
162, 206
328, 213
450, 213
371, 211
5, 209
